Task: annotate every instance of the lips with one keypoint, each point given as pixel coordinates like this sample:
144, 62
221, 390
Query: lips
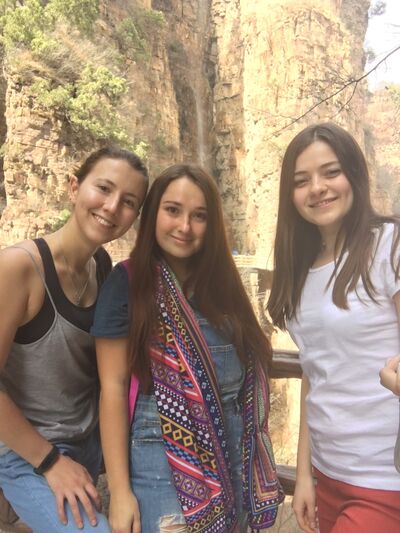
323, 203
104, 222
180, 240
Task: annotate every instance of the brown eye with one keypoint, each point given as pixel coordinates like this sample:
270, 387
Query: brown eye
300, 183
172, 210
129, 203
200, 216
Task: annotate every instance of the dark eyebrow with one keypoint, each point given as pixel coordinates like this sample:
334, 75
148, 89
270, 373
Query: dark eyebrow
112, 184
173, 202
336, 162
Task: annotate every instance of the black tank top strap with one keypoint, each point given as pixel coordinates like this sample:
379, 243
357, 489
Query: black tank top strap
50, 275
55, 300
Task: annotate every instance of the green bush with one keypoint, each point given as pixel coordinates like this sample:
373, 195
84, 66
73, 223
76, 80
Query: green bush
43, 43
134, 33
98, 92
61, 219
81, 14
22, 24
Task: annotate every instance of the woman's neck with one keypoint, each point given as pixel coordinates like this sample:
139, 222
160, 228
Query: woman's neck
179, 269
331, 246
66, 243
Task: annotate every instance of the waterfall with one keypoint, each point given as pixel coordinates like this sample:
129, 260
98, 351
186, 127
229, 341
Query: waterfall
200, 85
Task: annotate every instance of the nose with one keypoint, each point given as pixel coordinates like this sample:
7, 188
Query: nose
317, 185
112, 203
184, 223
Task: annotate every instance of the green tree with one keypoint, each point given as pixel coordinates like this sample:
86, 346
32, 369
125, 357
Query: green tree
40, 39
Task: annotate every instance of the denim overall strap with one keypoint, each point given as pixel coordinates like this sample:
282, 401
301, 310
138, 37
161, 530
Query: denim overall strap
191, 415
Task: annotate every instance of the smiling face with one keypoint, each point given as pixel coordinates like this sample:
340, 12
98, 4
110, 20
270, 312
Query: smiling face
322, 194
181, 224
108, 200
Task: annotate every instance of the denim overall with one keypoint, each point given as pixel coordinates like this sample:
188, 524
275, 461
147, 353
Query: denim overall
151, 478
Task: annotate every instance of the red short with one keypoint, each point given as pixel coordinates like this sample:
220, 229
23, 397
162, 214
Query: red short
344, 508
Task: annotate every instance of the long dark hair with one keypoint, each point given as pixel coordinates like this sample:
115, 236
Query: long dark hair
298, 242
214, 279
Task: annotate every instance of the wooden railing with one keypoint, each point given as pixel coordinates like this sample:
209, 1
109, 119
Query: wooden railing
285, 364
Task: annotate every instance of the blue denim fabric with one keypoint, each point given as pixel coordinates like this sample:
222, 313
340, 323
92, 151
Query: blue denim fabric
151, 478
32, 498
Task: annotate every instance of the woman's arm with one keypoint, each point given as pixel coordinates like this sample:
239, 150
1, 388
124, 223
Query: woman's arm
21, 296
304, 494
390, 373
112, 361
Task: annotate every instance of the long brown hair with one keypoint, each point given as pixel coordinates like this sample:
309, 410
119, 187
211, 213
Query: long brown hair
297, 242
214, 280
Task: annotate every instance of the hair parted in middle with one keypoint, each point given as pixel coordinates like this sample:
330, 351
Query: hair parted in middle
298, 242
111, 152
214, 280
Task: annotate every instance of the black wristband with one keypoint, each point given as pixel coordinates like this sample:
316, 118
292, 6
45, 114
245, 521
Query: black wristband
47, 462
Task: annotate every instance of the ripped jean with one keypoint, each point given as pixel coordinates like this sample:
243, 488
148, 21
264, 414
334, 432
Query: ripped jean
151, 478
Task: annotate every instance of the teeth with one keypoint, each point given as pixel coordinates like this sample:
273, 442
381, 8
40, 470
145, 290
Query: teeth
103, 222
325, 202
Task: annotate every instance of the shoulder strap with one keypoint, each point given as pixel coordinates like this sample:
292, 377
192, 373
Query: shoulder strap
125, 264
103, 264
134, 385
38, 270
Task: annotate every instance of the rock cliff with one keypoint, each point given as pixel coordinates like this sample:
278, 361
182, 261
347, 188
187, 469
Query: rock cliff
274, 62
383, 118
221, 86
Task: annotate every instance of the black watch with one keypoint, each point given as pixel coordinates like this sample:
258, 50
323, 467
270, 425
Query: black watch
48, 461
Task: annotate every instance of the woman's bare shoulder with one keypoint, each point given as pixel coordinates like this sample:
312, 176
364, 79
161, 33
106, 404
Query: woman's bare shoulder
19, 260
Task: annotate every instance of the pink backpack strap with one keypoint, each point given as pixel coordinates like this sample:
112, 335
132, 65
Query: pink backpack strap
134, 384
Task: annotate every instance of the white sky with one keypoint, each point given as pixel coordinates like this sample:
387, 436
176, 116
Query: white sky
383, 35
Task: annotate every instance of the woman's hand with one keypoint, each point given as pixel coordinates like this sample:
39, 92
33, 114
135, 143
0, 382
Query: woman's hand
303, 504
124, 515
71, 481
390, 374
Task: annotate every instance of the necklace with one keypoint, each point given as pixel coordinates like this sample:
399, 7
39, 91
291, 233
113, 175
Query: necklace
79, 291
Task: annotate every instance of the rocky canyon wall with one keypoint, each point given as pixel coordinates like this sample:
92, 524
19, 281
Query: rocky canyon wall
41, 150
275, 61
383, 119
223, 83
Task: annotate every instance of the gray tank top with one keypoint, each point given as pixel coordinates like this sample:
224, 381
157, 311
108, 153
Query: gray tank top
54, 380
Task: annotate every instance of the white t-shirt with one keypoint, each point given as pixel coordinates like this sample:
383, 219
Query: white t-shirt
352, 418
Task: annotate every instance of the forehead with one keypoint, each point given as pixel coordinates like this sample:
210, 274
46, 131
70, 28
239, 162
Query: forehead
119, 175
109, 166
316, 154
185, 191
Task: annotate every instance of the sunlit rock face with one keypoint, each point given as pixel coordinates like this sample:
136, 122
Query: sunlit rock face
383, 112
41, 151
275, 61
224, 81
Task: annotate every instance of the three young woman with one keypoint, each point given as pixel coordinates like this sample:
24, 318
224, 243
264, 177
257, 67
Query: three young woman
49, 452
336, 288
197, 456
